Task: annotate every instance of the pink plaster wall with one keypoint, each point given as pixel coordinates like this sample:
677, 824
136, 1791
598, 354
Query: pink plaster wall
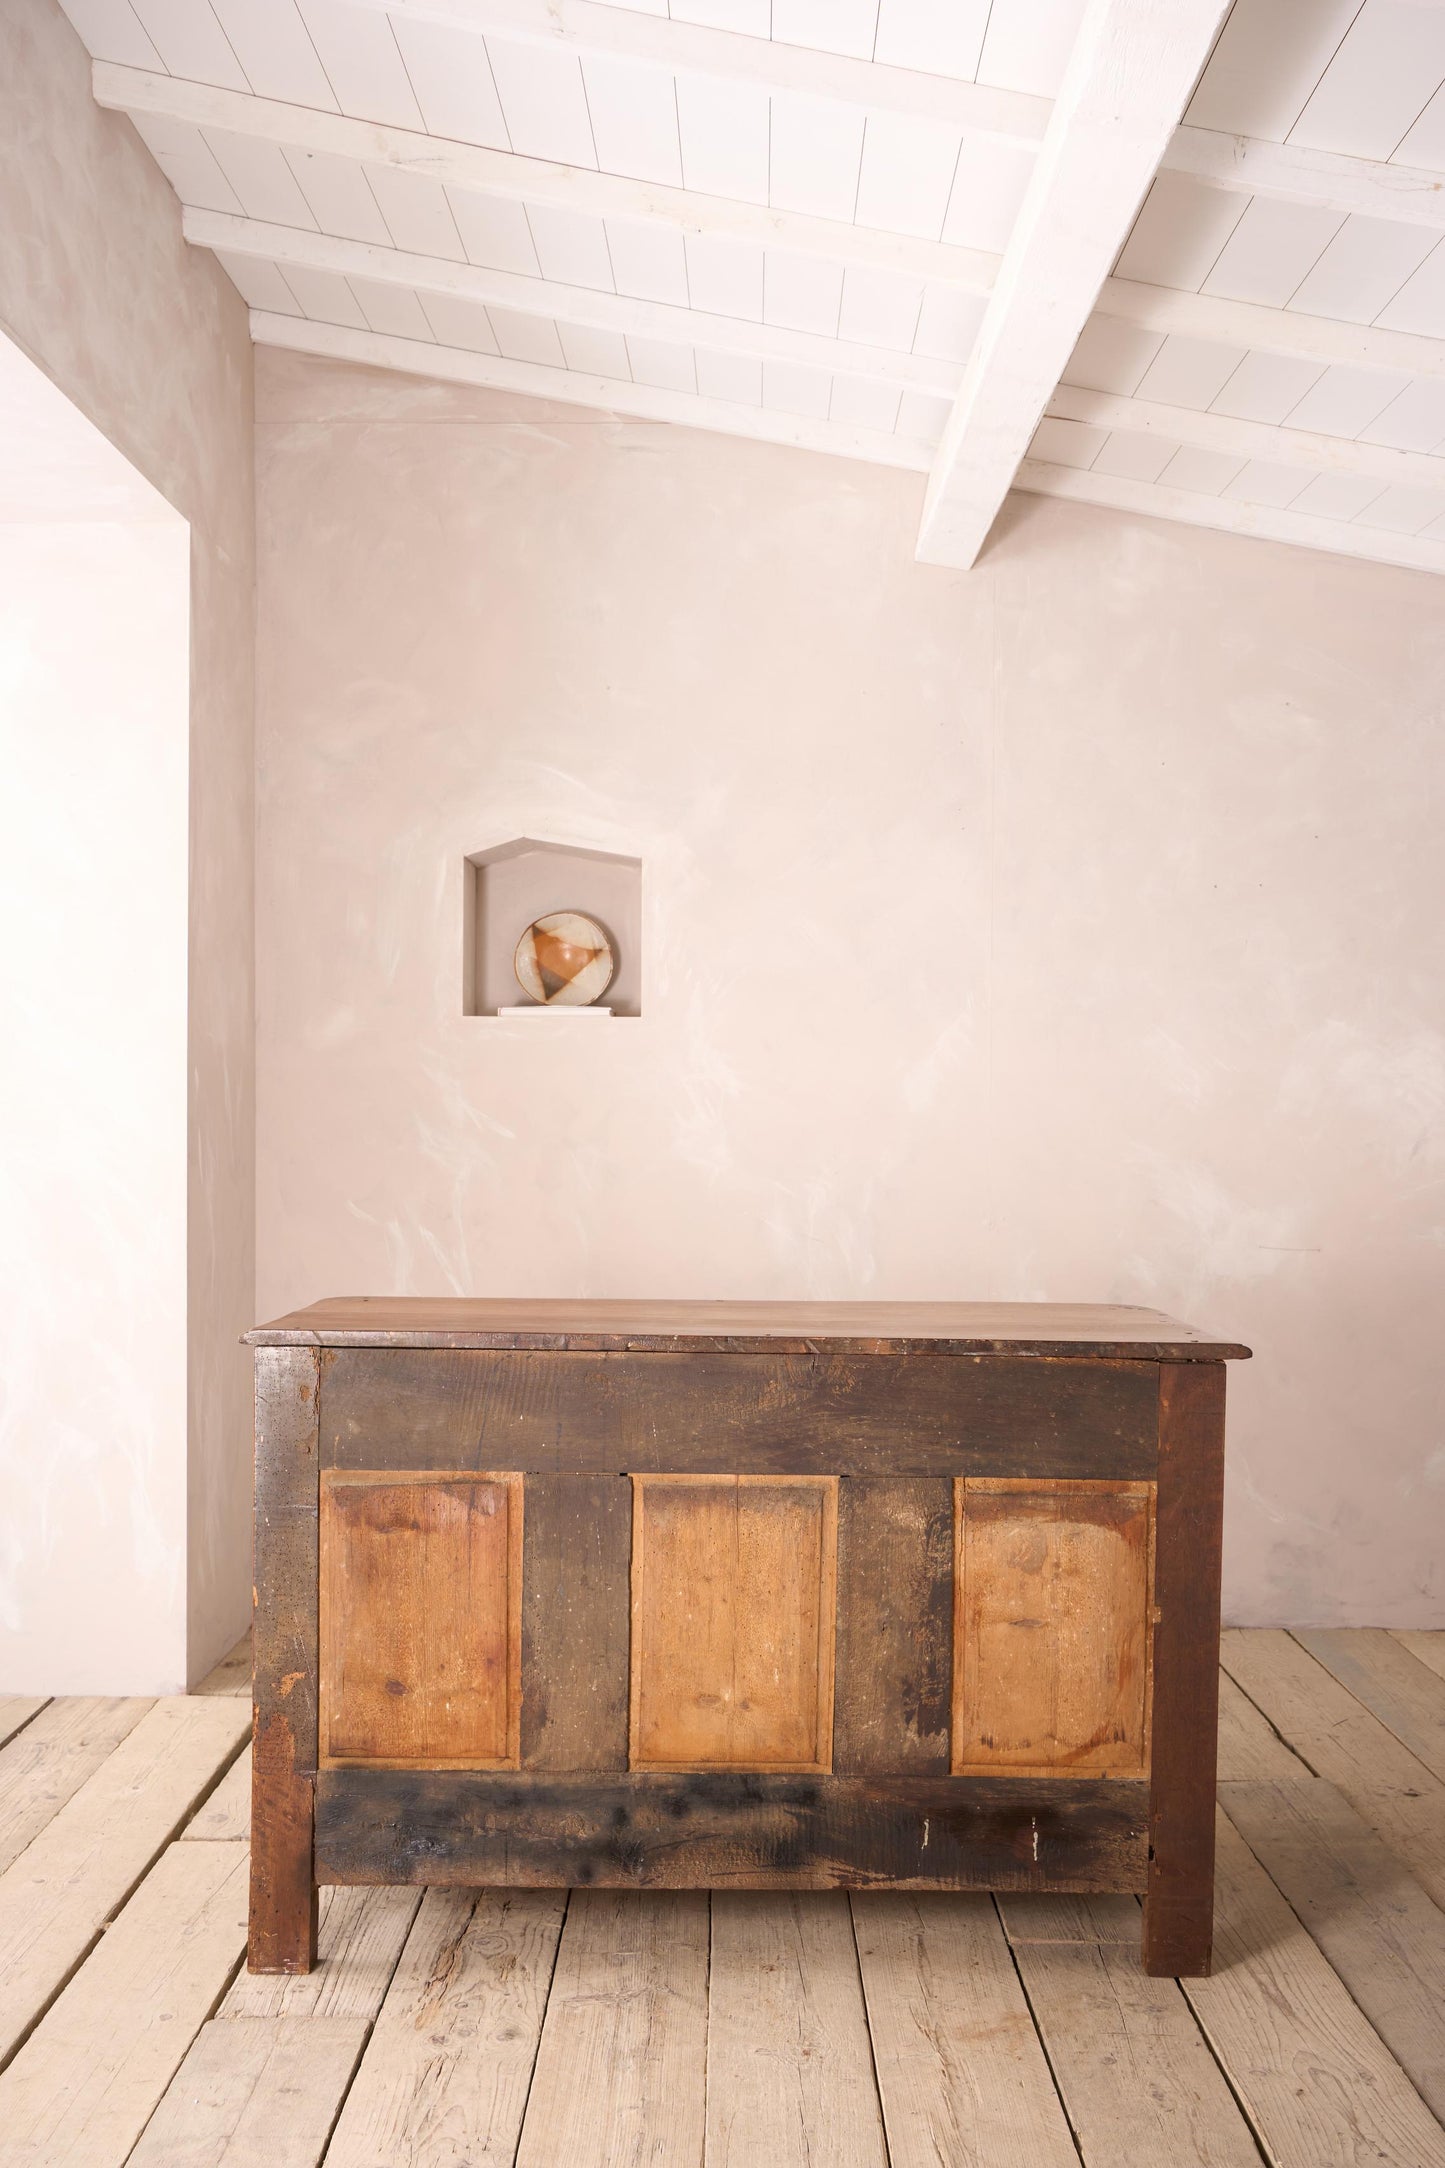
1069, 929
150, 341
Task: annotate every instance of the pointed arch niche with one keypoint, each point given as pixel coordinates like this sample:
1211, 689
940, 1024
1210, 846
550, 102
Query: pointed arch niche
512, 883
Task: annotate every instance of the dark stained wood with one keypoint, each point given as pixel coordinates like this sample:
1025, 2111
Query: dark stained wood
283, 1896
575, 1599
739, 1414
1179, 1905
867, 1328
727, 1830
895, 1626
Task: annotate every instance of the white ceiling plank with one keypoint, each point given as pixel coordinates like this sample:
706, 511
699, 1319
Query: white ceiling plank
544, 102
324, 297
532, 180
1189, 372
1404, 511
188, 163
1389, 63
1274, 246
797, 389
1257, 482
260, 285
724, 133
1245, 440
802, 293
362, 62
418, 216
1209, 473
666, 367
275, 50
827, 26
922, 417
907, 173
1142, 459
943, 37
1268, 59
572, 248
1277, 331
595, 353
989, 180
1110, 356
459, 323
1413, 421
815, 152
1266, 387
495, 234
451, 75
340, 196
415, 358
735, 377
191, 42
1345, 401
871, 406
1419, 306
111, 30
527, 338
264, 184
390, 309
1425, 144
1337, 496
1364, 266
634, 119
1352, 186
1131, 70
948, 324
1029, 43
729, 42
725, 277
648, 262
1178, 235
1152, 500
880, 309
1071, 444
618, 315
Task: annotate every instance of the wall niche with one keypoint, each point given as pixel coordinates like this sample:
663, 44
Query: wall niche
510, 885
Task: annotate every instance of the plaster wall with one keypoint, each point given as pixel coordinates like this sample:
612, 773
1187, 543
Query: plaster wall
1071, 929
149, 340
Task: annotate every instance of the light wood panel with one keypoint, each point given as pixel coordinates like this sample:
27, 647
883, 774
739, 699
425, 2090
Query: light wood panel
16, 1710
1428, 1647
733, 1621
254, 2092
227, 1813
421, 1621
1052, 1629
1407, 1697
47, 1762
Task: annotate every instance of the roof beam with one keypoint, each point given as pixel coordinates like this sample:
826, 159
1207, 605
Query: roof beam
1305, 448
1355, 187
1129, 77
582, 26
536, 180
1323, 339
580, 305
1342, 538
601, 393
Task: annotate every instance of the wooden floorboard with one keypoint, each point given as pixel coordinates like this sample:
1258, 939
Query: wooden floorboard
16, 1711
457, 2029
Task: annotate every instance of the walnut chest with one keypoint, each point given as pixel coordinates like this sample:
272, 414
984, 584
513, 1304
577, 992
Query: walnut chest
768, 1596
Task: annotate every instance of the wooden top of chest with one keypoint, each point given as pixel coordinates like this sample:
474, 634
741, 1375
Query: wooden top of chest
1110, 1330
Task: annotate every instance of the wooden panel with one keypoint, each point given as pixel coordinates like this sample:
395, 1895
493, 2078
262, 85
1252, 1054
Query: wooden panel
575, 1602
728, 1829
283, 1899
1179, 1910
727, 1414
895, 1625
421, 1621
1052, 1628
733, 1600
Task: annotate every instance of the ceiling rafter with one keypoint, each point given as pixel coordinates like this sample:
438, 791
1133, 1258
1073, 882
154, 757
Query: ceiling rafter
1128, 79
572, 387
537, 180
1355, 187
1306, 448
585, 306
1341, 538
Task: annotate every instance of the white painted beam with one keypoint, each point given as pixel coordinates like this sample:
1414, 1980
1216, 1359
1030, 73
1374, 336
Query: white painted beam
1128, 79
1355, 187
535, 180
1306, 448
582, 26
581, 305
1270, 331
601, 393
1341, 538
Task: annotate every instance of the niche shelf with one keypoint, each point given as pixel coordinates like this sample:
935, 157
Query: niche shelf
510, 884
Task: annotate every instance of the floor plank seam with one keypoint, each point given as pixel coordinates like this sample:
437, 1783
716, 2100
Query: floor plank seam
1039, 2032
25, 1723
223, 1992
867, 2025
1251, 2122
542, 2027
1265, 1718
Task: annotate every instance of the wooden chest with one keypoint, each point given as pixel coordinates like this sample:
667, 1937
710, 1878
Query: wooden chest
767, 1596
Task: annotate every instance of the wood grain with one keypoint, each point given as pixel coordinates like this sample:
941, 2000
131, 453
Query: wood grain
16, 1711
254, 2093
622, 2067
961, 2072
283, 1896
721, 1414
446, 2074
720, 1829
1315, 2079
1428, 1647
47, 1762
1249, 1745
1188, 1539
1407, 1697
421, 1621
359, 1940
895, 1625
227, 1812
870, 1327
1051, 1628
785, 1971
575, 1611
733, 1608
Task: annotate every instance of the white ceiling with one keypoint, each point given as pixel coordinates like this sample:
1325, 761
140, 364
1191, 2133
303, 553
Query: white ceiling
800, 219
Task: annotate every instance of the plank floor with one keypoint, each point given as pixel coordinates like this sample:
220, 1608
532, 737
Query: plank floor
461, 2029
